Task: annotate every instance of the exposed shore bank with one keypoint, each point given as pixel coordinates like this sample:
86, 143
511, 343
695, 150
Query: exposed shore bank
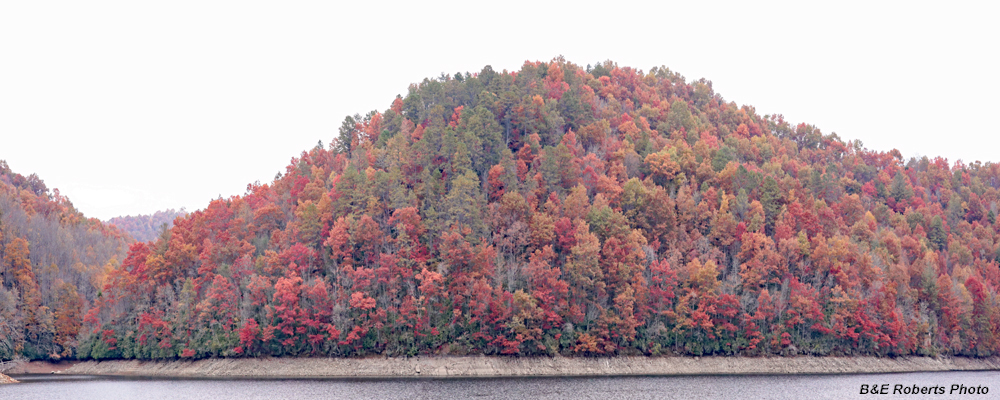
24, 367
490, 367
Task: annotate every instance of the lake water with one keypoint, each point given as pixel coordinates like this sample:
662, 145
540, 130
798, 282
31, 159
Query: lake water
51, 387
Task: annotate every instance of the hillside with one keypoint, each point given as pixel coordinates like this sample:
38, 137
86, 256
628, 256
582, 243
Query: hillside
147, 227
52, 266
596, 210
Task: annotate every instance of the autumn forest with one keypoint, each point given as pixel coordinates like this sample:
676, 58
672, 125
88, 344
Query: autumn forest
559, 209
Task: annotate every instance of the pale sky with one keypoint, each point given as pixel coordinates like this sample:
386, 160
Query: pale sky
129, 107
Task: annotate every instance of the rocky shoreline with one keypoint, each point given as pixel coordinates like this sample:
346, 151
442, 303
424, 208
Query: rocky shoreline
6, 379
497, 367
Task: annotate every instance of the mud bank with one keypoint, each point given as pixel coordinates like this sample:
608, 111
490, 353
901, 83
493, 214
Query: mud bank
36, 367
484, 367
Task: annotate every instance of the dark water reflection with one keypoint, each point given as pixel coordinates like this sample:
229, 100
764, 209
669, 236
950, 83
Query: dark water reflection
605, 388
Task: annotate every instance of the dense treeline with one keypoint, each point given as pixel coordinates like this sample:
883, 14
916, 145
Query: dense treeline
53, 262
583, 211
145, 228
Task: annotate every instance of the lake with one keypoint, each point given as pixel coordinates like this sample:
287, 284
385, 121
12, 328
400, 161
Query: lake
688, 387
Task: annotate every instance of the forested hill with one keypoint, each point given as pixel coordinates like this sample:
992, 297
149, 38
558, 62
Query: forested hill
52, 266
144, 228
591, 210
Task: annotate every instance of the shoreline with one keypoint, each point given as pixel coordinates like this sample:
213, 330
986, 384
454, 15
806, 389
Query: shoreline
509, 367
4, 379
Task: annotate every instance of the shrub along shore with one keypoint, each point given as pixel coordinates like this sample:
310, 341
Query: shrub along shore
482, 367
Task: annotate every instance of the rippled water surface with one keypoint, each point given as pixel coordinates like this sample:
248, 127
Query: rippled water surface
605, 388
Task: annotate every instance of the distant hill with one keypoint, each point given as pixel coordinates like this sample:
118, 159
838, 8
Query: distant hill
562, 209
144, 228
53, 261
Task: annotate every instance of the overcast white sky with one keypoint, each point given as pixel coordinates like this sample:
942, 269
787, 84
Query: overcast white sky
129, 107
